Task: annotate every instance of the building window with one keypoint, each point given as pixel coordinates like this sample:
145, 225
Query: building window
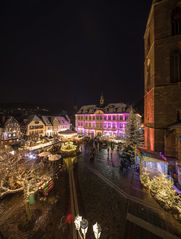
148, 74
114, 118
109, 117
105, 118
176, 21
126, 117
175, 67
120, 126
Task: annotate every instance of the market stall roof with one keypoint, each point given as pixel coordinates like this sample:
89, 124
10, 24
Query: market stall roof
44, 154
153, 159
67, 132
54, 157
150, 154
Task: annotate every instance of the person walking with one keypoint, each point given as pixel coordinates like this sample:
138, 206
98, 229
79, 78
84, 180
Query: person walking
108, 149
112, 148
111, 151
97, 146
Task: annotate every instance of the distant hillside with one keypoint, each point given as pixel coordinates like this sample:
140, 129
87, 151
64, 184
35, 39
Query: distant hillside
17, 108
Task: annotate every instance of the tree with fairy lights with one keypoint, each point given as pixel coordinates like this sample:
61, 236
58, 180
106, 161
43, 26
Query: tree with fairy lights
145, 179
18, 175
133, 136
161, 188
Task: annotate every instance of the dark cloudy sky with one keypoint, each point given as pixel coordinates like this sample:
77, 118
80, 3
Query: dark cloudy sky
69, 51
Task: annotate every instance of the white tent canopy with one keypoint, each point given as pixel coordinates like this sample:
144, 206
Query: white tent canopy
54, 157
44, 154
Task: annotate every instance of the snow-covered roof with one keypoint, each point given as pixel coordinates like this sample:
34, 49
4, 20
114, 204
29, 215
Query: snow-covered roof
34, 118
115, 108
62, 120
10, 120
110, 108
46, 120
87, 109
68, 132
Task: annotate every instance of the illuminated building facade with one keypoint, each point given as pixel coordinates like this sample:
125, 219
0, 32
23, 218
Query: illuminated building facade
46, 125
107, 120
11, 130
162, 99
35, 126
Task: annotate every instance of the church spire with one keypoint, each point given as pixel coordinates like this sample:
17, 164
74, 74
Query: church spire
101, 99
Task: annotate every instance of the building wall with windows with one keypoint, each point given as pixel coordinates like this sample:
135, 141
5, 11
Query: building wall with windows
64, 123
11, 130
35, 127
56, 124
48, 125
106, 121
162, 71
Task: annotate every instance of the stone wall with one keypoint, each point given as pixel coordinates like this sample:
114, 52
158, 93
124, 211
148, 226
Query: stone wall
162, 98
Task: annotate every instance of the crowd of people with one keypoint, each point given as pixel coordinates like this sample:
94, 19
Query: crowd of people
95, 145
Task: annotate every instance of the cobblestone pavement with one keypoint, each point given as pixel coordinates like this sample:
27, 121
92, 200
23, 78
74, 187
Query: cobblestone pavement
109, 197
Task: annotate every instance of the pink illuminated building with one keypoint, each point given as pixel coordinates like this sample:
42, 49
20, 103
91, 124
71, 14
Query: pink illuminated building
109, 120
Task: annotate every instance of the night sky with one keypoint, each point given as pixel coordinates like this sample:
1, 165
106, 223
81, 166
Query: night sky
67, 52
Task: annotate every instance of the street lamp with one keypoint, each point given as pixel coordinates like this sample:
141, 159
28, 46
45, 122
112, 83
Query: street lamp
97, 230
81, 226
77, 221
84, 226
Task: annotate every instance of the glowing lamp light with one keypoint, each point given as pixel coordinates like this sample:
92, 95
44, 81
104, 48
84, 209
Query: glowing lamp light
12, 152
31, 156
84, 226
68, 147
97, 230
81, 226
77, 221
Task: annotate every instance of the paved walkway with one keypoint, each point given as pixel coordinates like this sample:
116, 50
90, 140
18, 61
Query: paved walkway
110, 168
128, 186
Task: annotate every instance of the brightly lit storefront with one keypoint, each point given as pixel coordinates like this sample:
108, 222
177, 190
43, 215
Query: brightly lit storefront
154, 166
